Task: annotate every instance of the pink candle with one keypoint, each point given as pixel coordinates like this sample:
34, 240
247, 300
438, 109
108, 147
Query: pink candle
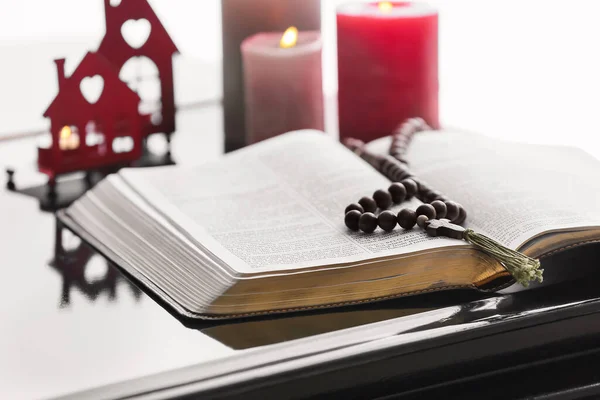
283, 83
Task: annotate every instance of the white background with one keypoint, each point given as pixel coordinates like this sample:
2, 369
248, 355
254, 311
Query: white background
521, 69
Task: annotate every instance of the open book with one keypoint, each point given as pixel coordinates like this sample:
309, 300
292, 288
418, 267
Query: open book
262, 230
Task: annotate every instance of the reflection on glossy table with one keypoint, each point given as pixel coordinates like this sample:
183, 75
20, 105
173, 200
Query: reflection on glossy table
76, 323
66, 329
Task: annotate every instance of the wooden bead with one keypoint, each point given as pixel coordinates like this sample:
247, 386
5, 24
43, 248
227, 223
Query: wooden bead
402, 166
367, 222
403, 172
426, 209
398, 192
423, 187
388, 161
403, 175
387, 221
394, 169
387, 167
354, 206
353, 144
432, 196
462, 215
411, 187
368, 204
440, 209
421, 219
452, 210
424, 195
383, 199
399, 166
407, 218
351, 219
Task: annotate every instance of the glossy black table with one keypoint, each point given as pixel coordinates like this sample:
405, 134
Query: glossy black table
74, 325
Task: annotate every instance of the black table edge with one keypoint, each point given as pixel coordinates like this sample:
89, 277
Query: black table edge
360, 347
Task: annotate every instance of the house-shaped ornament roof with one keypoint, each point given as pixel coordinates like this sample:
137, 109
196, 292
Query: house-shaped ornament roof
115, 47
70, 98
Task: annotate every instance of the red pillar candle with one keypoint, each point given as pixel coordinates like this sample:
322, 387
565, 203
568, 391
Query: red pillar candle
387, 67
283, 84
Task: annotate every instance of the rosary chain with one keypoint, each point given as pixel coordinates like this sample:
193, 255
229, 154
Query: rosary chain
361, 215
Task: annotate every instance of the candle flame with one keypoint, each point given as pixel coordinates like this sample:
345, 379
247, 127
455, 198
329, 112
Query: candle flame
65, 132
289, 38
385, 6
68, 138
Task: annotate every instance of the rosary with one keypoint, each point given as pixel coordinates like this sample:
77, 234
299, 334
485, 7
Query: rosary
438, 216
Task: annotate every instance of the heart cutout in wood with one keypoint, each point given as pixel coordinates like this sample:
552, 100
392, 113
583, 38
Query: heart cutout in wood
136, 32
91, 88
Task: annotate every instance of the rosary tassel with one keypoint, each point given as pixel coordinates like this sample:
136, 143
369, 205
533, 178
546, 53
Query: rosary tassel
523, 268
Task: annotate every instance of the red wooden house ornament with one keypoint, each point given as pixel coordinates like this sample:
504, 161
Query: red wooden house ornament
108, 128
152, 42
91, 126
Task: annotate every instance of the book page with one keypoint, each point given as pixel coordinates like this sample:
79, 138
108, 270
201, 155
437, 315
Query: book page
511, 191
278, 205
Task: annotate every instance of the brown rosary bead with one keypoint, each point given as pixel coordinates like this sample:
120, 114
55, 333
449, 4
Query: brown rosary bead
386, 168
386, 162
354, 206
400, 176
351, 219
423, 189
393, 168
426, 209
383, 199
397, 168
367, 222
398, 192
411, 187
421, 219
387, 221
400, 143
424, 195
354, 145
400, 157
452, 210
368, 204
432, 196
440, 209
407, 218
462, 215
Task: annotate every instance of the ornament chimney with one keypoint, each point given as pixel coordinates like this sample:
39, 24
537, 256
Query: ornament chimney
60, 70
